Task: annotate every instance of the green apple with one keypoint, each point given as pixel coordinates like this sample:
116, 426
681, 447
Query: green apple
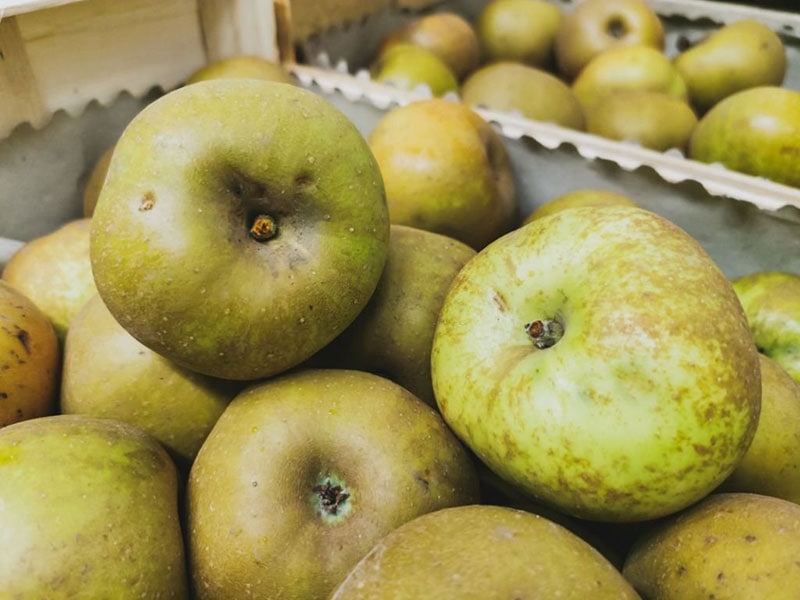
755, 131
392, 336
483, 552
407, 66
519, 30
447, 34
242, 226
739, 55
629, 68
88, 509
770, 301
536, 94
770, 466
578, 198
599, 361
242, 66
445, 170
735, 545
55, 272
653, 119
303, 473
107, 373
94, 183
594, 26
30, 359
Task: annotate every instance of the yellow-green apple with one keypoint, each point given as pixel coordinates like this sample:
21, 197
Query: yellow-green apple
392, 336
630, 68
445, 170
447, 34
519, 30
55, 272
242, 226
770, 466
653, 119
770, 301
755, 131
593, 26
303, 473
89, 510
578, 198
108, 374
731, 545
737, 56
407, 66
599, 361
483, 552
242, 66
30, 359
536, 94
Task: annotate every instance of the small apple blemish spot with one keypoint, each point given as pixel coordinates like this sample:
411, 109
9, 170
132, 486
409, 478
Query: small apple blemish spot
263, 228
147, 202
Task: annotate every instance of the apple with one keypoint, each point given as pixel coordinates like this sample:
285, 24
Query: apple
393, 334
519, 30
599, 361
108, 374
30, 359
483, 552
578, 198
508, 86
242, 66
445, 170
94, 183
303, 473
55, 272
628, 69
407, 66
770, 301
593, 26
242, 226
88, 509
447, 34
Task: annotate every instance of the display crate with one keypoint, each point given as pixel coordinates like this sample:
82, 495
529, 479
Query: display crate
73, 73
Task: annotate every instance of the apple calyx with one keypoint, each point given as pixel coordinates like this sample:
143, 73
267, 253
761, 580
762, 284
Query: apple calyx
544, 332
331, 498
263, 228
617, 28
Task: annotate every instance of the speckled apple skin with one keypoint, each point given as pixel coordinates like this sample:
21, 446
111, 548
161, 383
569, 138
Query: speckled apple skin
649, 399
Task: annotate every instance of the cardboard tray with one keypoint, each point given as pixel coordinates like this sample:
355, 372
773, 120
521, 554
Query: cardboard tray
745, 223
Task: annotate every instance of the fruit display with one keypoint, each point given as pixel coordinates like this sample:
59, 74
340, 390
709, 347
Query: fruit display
301, 345
533, 53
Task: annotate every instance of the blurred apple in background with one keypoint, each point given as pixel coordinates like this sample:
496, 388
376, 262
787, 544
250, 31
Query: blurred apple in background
519, 30
407, 66
577, 199
599, 361
94, 183
445, 170
242, 66
536, 94
593, 26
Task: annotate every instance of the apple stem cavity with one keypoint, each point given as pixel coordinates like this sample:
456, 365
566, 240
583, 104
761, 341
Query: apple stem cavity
263, 228
544, 332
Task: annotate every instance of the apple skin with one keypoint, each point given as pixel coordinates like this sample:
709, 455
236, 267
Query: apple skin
577, 199
239, 66
771, 302
593, 26
648, 400
173, 249
254, 519
445, 170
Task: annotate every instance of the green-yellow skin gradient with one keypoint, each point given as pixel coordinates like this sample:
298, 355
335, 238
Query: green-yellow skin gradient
171, 249
648, 400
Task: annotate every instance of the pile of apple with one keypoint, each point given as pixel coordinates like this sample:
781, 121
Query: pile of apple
280, 359
601, 66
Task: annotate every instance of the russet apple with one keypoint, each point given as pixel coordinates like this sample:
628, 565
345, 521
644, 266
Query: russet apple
242, 66
241, 227
578, 198
599, 361
407, 66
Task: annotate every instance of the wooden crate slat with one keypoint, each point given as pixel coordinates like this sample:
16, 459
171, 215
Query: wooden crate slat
235, 27
19, 93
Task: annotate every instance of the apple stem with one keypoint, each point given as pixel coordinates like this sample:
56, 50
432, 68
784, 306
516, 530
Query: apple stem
331, 496
544, 332
263, 228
